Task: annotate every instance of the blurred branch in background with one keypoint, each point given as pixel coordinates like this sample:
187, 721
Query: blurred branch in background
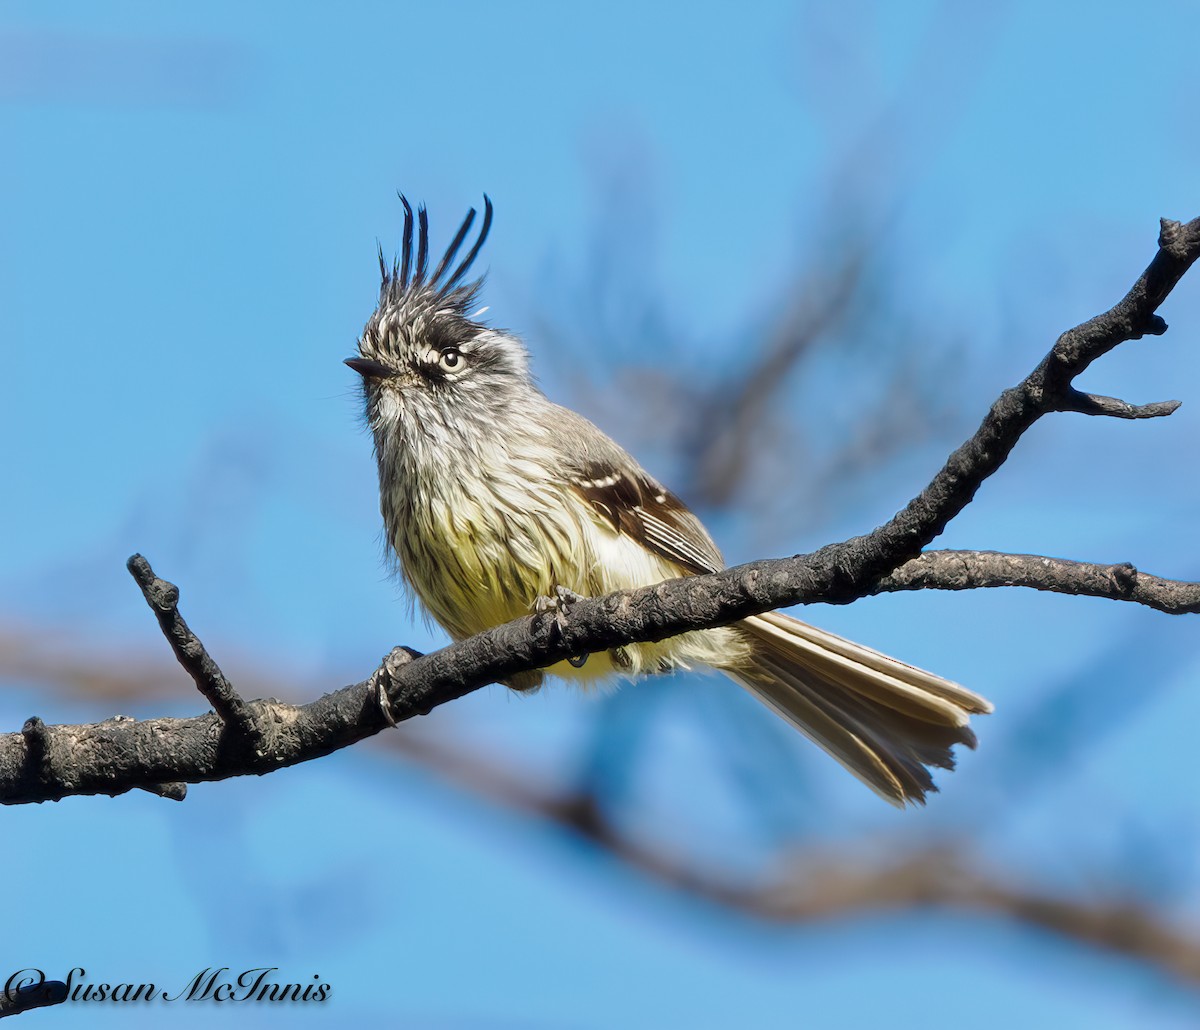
748, 426
826, 883
743, 421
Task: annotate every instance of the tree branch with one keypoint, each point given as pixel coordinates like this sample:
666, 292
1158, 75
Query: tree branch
973, 570
256, 737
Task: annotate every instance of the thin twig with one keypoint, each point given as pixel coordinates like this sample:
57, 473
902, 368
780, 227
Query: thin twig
1046, 389
163, 599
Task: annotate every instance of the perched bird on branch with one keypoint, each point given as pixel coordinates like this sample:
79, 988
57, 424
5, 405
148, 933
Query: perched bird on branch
495, 500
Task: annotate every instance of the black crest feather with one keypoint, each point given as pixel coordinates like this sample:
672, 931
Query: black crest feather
405, 276
422, 246
406, 263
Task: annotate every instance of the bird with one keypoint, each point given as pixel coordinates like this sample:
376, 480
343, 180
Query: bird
494, 499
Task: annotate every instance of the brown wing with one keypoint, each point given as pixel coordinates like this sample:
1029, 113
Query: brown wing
631, 500
643, 509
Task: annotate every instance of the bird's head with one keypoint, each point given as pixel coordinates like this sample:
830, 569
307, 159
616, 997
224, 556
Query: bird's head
429, 365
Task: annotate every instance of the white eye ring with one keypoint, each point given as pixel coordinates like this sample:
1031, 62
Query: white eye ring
450, 359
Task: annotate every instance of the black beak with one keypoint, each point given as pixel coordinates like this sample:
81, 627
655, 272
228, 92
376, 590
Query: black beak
369, 369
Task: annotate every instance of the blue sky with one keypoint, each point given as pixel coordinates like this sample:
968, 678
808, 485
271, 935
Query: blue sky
192, 200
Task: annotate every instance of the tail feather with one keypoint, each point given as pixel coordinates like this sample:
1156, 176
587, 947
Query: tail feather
866, 657
834, 731
885, 721
788, 640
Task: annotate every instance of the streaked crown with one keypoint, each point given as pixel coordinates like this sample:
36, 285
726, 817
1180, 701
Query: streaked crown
430, 366
416, 305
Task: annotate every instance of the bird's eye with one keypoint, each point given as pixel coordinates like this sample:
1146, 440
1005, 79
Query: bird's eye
450, 359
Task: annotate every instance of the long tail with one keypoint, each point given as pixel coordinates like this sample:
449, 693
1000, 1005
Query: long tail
883, 720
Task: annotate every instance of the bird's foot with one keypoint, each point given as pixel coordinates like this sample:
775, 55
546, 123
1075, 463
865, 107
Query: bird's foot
560, 606
385, 676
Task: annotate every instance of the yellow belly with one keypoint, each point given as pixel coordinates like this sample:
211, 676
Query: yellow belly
475, 566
